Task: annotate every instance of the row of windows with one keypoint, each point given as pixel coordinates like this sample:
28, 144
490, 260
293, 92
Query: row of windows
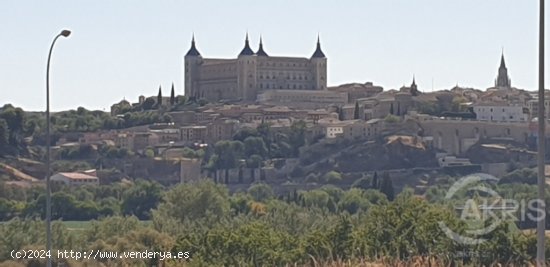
273, 64
288, 86
288, 76
491, 110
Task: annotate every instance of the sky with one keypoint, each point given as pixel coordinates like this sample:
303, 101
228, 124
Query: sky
126, 48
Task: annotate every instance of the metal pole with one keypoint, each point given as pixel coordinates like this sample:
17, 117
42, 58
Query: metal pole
64, 33
541, 223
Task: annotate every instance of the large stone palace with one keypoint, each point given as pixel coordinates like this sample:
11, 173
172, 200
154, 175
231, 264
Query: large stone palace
251, 73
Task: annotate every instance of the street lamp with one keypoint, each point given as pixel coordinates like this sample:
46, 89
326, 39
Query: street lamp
64, 33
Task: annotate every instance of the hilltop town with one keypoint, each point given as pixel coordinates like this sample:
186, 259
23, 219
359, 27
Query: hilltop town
274, 119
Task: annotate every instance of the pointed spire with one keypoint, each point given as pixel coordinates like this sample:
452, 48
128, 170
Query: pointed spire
247, 51
502, 80
414, 87
502, 64
318, 52
193, 50
261, 51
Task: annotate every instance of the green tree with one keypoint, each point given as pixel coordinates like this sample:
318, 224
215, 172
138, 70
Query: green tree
254, 162
228, 154
364, 183
375, 183
332, 177
341, 238
4, 137
194, 201
297, 136
316, 198
352, 201
159, 98
261, 192
254, 146
148, 104
386, 186
524, 176
141, 198
356, 111
172, 96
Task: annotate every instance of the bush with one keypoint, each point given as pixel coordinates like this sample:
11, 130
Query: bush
312, 178
260, 192
332, 177
391, 119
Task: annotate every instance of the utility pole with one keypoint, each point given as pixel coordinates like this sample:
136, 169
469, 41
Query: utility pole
541, 223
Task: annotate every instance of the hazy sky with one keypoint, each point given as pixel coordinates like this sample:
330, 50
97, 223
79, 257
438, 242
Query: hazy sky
123, 49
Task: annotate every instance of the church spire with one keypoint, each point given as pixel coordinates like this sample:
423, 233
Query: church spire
503, 81
414, 88
193, 50
318, 52
247, 51
261, 51
502, 64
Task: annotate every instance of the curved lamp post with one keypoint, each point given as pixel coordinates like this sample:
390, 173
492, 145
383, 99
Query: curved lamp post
64, 33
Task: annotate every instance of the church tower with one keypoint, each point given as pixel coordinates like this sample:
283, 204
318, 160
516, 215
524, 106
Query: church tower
193, 60
246, 66
503, 81
414, 88
319, 62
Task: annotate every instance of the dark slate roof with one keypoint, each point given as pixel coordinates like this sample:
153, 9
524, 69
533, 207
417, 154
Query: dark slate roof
247, 51
261, 51
193, 50
318, 52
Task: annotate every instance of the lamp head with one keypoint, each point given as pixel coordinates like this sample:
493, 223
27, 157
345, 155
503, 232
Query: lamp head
65, 33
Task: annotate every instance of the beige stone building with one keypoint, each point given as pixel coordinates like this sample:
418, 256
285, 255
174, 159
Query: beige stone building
242, 78
190, 170
303, 98
194, 133
75, 178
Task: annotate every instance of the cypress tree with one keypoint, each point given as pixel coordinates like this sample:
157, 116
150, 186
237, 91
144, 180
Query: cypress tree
386, 186
159, 97
374, 182
340, 113
172, 96
356, 111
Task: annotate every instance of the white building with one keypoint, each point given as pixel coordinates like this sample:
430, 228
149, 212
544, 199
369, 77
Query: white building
499, 112
451, 161
75, 178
